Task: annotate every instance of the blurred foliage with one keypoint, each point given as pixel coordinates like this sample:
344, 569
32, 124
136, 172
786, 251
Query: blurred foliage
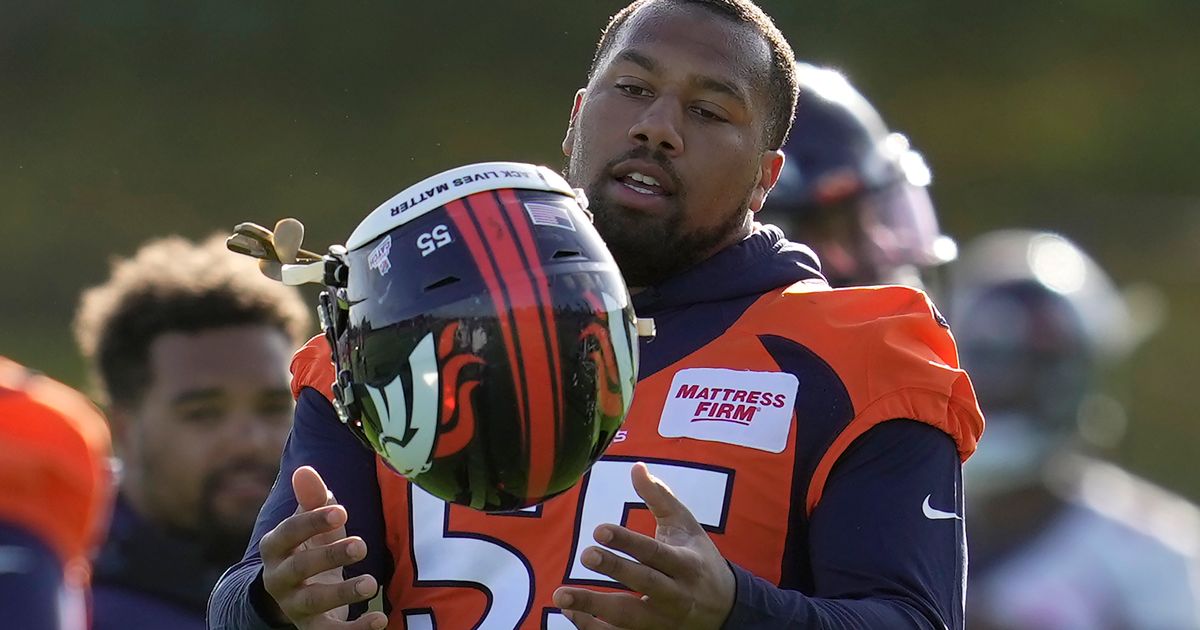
120, 121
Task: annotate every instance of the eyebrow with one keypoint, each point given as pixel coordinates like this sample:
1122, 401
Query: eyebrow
701, 81
723, 87
196, 395
638, 58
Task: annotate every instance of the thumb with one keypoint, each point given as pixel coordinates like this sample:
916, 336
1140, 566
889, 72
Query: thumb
666, 508
287, 237
311, 491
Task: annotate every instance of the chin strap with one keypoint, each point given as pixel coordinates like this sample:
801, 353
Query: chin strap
333, 312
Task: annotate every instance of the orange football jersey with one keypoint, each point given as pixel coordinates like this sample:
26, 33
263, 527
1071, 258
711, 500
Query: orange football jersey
745, 429
54, 471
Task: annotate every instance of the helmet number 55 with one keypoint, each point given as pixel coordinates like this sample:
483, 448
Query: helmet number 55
430, 241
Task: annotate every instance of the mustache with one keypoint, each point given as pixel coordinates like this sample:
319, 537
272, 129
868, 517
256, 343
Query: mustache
643, 152
264, 472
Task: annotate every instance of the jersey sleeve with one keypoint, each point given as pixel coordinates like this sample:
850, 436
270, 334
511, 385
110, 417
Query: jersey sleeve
887, 541
312, 367
54, 462
895, 356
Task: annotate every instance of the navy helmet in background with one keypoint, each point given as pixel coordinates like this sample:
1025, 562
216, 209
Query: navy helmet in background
854, 191
1037, 322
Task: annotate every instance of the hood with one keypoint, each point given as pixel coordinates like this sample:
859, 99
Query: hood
763, 261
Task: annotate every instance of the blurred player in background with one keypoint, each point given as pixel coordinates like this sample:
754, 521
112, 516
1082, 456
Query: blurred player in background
1059, 540
853, 191
55, 492
189, 345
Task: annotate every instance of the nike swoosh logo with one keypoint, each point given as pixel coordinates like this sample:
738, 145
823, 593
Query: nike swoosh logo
936, 515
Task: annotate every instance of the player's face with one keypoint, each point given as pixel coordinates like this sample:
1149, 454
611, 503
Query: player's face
850, 241
885, 236
202, 449
667, 140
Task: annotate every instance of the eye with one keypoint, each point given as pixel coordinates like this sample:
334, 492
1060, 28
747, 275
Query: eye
633, 89
276, 408
708, 114
201, 414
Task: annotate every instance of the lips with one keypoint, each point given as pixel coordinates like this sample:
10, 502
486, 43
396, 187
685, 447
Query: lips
642, 183
644, 177
643, 186
245, 485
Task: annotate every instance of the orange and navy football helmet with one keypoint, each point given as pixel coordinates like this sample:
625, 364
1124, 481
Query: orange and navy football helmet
484, 341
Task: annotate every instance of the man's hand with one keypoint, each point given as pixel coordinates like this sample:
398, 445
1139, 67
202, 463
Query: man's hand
685, 582
303, 559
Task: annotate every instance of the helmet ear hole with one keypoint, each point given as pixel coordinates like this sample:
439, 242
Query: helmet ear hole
565, 253
444, 282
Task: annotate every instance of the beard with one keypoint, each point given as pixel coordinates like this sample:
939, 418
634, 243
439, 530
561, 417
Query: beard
225, 536
651, 248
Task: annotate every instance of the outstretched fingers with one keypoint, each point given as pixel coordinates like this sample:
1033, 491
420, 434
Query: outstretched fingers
670, 560
319, 598
593, 610
301, 528
306, 563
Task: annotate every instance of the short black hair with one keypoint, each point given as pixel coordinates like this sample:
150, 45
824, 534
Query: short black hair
174, 285
781, 80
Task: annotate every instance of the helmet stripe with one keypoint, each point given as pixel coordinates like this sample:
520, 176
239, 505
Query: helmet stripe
462, 219
534, 369
521, 223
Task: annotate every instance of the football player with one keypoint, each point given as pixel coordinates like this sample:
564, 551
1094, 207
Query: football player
1059, 539
189, 346
55, 491
792, 455
854, 191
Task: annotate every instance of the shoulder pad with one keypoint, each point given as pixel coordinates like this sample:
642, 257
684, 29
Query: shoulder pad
312, 366
54, 461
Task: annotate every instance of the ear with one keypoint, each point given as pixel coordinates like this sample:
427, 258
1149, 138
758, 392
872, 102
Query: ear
568, 143
770, 164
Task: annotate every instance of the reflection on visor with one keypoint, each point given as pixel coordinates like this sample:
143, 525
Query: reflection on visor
906, 211
886, 234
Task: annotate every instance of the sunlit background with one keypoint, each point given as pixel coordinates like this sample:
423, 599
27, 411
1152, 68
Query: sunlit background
124, 121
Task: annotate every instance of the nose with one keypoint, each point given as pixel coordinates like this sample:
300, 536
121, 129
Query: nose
658, 128
255, 435
268, 436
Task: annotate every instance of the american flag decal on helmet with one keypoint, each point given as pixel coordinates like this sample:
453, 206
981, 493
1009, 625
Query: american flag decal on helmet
549, 214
